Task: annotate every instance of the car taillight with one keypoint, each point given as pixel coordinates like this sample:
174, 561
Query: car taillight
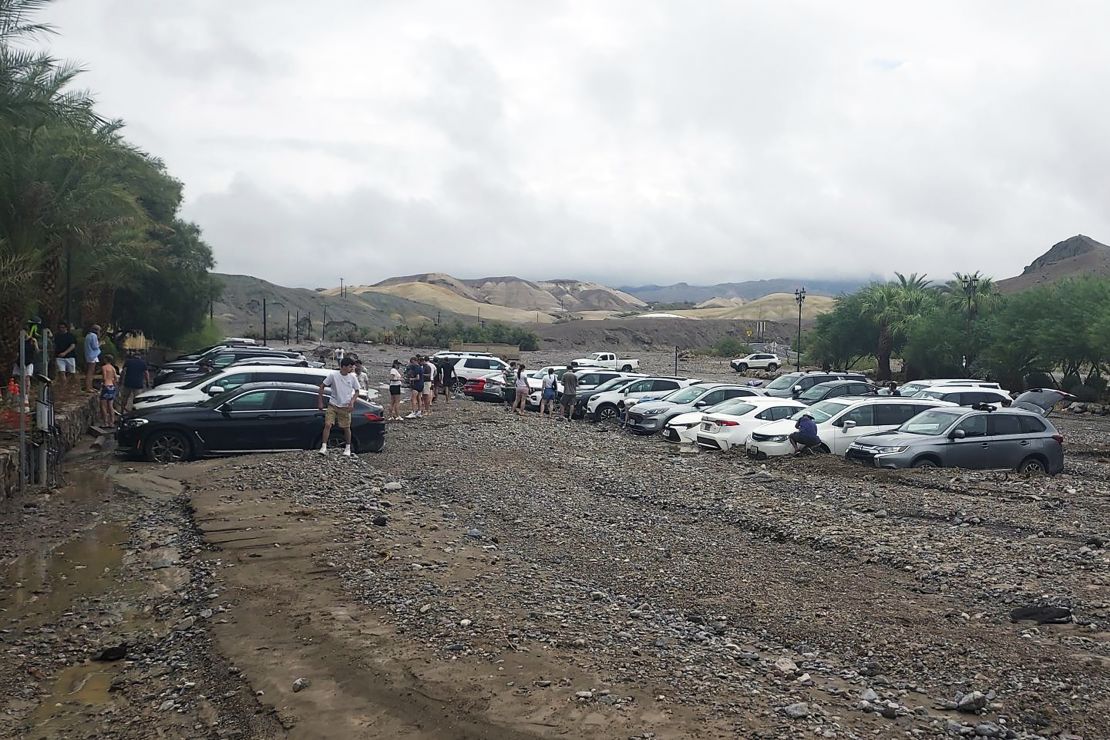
371, 416
1059, 438
727, 423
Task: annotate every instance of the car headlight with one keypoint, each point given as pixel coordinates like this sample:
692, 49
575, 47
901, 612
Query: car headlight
888, 450
652, 412
779, 438
149, 399
132, 423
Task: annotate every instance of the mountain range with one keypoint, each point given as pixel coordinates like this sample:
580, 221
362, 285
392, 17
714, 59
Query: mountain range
1073, 257
747, 290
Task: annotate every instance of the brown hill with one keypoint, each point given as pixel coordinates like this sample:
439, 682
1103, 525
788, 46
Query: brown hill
1080, 255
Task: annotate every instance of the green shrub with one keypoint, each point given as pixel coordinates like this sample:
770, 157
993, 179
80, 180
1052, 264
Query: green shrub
1084, 393
1071, 381
730, 347
1097, 383
205, 336
1039, 379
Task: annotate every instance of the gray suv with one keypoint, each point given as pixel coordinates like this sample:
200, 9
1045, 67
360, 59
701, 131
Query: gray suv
973, 439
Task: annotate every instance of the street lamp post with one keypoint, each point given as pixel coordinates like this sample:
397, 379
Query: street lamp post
800, 297
971, 287
264, 321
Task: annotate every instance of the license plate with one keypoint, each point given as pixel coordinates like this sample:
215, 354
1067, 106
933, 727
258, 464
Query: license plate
752, 452
706, 426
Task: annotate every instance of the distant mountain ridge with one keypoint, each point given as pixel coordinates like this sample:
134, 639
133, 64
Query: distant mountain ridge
1074, 257
747, 290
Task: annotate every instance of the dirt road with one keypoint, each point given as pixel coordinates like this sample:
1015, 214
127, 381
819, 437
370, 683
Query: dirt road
489, 576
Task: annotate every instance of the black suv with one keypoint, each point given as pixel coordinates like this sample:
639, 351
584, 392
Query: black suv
792, 385
182, 370
833, 389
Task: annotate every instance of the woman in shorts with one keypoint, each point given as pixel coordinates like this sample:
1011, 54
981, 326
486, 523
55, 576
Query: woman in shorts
108, 377
547, 395
521, 386
395, 379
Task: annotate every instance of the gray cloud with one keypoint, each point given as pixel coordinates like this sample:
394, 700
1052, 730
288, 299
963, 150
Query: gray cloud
622, 141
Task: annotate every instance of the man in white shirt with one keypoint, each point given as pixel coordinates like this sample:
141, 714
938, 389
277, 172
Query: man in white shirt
344, 394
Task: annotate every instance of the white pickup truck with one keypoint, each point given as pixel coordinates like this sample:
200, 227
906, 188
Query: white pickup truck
607, 360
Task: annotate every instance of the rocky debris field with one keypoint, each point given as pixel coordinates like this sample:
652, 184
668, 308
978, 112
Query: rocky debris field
499, 576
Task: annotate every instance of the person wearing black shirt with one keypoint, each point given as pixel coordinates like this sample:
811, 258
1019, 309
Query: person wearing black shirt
136, 376
65, 354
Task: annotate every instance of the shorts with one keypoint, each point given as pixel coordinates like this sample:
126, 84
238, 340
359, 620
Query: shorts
29, 367
66, 365
418, 386
394, 390
126, 394
338, 416
108, 393
549, 394
428, 389
804, 440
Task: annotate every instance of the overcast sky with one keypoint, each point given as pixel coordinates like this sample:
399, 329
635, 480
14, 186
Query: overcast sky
628, 142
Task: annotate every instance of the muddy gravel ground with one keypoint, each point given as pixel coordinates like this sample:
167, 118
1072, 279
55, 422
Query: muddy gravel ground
494, 576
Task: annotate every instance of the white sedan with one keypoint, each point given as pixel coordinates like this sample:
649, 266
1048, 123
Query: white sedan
685, 428
731, 427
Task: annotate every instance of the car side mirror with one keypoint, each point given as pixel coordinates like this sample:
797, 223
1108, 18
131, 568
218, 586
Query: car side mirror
957, 434
849, 424
700, 405
226, 409
215, 390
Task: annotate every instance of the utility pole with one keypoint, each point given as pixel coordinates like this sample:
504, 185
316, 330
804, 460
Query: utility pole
324, 325
298, 326
342, 290
800, 297
288, 333
263, 321
971, 287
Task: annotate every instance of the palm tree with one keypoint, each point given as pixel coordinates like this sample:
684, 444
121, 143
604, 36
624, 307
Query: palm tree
892, 306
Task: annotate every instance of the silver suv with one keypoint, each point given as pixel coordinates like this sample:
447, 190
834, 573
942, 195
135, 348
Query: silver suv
973, 439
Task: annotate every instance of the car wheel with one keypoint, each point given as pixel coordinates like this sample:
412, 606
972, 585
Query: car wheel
1032, 466
166, 447
772, 367
605, 412
925, 462
742, 367
375, 445
626, 369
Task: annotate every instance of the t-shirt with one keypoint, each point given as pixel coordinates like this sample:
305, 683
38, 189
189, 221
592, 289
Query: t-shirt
807, 427
549, 381
429, 371
63, 342
134, 372
522, 382
416, 373
570, 383
92, 347
343, 388
394, 376
30, 351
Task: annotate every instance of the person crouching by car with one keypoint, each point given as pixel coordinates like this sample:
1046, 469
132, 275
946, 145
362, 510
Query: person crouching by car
344, 393
806, 436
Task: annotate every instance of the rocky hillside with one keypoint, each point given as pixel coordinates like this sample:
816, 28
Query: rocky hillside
747, 290
1074, 257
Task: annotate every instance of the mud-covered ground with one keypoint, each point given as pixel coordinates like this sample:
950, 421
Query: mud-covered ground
489, 576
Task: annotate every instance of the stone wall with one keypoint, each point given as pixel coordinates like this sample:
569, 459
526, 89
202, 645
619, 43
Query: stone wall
73, 419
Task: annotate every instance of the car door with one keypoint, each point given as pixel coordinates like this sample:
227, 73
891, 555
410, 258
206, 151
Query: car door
863, 418
1008, 444
297, 421
971, 451
242, 424
639, 389
230, 382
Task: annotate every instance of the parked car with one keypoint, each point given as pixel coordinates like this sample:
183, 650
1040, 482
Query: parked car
684, 427
583, 396
1041, 400
225, 380
757, 361
974, 439
834, 389
608, 405
589, 378
792, 385
916, 386
649, 417
252, 418
967, 396
271, 360
609, 360
225, 344
490, 387
472, 367
185, 370
728, 428
840, 422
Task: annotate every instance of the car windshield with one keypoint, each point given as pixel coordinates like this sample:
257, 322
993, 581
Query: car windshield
909, 389
816, 392
782, 383
821, 412
614, 384
931, 422
204, 378
939, 395
686, 395
731, 407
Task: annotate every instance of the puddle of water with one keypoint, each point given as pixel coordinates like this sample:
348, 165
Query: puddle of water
77, 689
41, 586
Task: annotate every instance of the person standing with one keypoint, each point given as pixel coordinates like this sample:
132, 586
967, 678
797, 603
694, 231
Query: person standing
108, 377
570, 392
395, 379
92, 354
430, 380
509, 387
339, 356
447, 379
362, 376
65, 355
344, 394
548, 388
521, 387
415, 373
136, 376
30, 352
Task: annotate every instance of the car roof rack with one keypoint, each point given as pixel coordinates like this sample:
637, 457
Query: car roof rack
984, 407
